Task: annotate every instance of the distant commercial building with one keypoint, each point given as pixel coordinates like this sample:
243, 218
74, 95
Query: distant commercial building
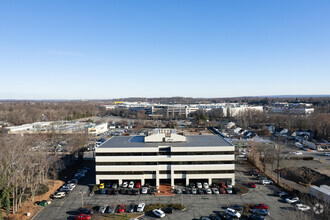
96, 129
165, 157
64, 127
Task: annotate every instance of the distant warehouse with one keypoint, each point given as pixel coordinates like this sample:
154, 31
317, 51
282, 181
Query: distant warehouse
165, 157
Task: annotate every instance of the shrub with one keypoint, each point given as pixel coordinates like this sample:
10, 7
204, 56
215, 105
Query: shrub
177, 206
95, 188
242, 189
41, 189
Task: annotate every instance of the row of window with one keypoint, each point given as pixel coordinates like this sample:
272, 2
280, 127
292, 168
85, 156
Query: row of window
163, 172
163, 163
165, 153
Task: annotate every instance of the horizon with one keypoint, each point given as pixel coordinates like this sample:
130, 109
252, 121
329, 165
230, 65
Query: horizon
107, 49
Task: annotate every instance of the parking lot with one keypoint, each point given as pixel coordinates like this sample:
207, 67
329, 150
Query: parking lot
196, 205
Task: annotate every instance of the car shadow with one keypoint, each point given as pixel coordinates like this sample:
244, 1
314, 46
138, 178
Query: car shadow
71, 212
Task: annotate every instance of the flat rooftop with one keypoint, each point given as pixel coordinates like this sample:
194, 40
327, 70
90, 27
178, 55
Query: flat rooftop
192, 141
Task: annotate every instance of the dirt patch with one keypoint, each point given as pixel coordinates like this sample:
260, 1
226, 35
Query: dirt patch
29, 206
305, 175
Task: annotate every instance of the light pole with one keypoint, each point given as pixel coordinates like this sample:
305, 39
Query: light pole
82, 199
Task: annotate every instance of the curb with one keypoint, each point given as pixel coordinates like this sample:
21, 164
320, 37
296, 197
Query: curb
35, 215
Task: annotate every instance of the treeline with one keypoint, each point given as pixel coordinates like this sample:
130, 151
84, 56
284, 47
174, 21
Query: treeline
21, 112
27, 162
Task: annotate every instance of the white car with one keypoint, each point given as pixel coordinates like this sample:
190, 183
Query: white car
205, 185
193, 191
144, 190
266, 182
229, 190
292, 199
71, 185
58, 195
125, 184
158, 213
215, 190
131, 185
297, 153
298, 144
233, 213
208, 191
302, 207
199, 185
140, 207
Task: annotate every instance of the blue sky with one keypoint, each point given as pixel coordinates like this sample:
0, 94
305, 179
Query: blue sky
159, 48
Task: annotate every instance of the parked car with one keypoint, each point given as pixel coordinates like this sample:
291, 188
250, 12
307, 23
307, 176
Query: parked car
281, 194
256, 217
252, 185
131, 207
87, 168
229, 190
168, 210
58, 195
138, 185
260, 211
123, 191
194, 191
82, 171
222, 191
266, 182
214, 217
122, 208
144, 190
327, 154
205, 185
135, 192
140, 207
187, 191
222, 185
215, 191
200, 191
261, 206
208, 191
192, 185
82, 217
84, 211
109, 209
102, 209
103, 191
199, 185
237, 207
114, 186
125, 184
101, 186
179, 191
41, 203
291, 199
158, 213
204, 218
233, 212
297, 153
301, 207
131, 185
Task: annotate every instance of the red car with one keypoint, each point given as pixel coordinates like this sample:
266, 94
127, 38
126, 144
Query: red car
222, 191
121, 208
82, 217
261, 206
251, 184
138, 185
223, 185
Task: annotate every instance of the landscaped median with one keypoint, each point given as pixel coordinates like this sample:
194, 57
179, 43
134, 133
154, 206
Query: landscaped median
176, 206
120, 216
